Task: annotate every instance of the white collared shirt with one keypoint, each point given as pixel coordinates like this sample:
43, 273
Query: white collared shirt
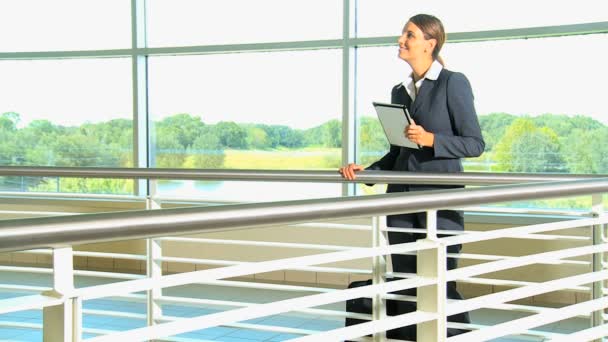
411, 87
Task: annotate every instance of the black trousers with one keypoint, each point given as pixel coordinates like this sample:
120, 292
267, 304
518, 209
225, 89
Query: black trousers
446, 220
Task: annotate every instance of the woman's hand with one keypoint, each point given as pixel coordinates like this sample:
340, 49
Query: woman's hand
349, 170
418, 135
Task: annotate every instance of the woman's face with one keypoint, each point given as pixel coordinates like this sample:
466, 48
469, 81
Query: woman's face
412, 44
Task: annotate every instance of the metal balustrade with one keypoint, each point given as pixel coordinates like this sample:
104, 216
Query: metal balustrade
62, 305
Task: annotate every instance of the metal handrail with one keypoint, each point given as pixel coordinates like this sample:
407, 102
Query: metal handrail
46, 232
379, 177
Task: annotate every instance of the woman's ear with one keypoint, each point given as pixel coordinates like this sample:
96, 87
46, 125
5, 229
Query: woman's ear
431, 43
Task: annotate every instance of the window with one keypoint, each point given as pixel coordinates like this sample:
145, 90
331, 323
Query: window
540, 110
30, 25
258, 105
69, 112
387, 18
275, 110
194, 22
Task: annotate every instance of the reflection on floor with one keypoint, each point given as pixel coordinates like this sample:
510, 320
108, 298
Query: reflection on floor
26, 325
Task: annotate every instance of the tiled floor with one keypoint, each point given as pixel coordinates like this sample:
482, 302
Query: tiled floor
228, 334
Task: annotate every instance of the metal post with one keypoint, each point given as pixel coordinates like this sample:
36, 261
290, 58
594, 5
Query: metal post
348, 71
431, 263
141, 129
154, 267
597, 210
379, 272
58, 319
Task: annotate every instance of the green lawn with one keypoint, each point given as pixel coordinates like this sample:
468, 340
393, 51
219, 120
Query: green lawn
322, 158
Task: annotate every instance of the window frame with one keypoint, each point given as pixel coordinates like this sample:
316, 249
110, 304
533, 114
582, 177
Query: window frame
139, 53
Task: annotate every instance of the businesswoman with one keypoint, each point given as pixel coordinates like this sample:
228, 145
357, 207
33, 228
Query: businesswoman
440, 102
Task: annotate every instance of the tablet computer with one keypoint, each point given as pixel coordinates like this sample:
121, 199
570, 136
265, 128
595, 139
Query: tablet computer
395, 118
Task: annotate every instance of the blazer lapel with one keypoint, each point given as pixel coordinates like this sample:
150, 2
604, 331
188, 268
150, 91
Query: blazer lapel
423, 94
401, 97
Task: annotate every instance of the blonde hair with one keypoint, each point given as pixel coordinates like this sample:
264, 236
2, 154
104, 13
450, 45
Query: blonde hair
432, 28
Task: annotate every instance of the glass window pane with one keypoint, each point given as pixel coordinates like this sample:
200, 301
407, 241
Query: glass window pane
539, 111
70, 112
194, 22
65, 25
277, 110
386, 18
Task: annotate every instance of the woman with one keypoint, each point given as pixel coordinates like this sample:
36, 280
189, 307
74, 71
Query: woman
445, 125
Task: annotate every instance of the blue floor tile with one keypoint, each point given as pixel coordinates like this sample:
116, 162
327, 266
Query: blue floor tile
285, 321
28, 314
283, 337
258, 320
233, 339
256, 335
95, 322
31, 336
125, 324
6, 334
7, 295
321, 325
211, 333
13, 333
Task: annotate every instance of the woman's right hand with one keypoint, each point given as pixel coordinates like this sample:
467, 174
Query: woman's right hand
349, 170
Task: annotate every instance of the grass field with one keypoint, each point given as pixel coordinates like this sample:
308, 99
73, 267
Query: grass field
325, 158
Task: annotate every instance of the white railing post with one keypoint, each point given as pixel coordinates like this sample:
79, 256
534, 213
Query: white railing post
597, 210
431, 263
77, 321
57, 320
431, 225
379, 272
154, 267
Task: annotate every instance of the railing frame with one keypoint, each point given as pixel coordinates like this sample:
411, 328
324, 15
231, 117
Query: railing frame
431, 259
597, 291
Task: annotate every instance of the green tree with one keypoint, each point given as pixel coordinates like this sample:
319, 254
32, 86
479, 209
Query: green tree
332, 134
372, 140
169, 153
257, 138
38, 141
563, 125
231, 135
82, 150
526, 148
183, 126
206, 153
290, 138
371, 136
117, 138
9, 121
493, 127
587, 151
328, 134
273, 135
276, 136
8, 133
43, 127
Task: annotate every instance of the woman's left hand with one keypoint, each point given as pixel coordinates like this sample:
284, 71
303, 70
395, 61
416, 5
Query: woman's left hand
418, 135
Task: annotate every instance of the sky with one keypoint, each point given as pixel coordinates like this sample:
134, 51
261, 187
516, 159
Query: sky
299, 89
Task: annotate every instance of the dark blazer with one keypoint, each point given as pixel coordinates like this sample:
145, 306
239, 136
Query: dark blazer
445, 108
